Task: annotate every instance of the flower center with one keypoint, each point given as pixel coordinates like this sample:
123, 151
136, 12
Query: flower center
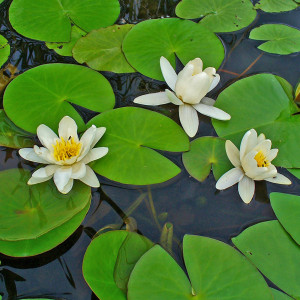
64, 150
261, 160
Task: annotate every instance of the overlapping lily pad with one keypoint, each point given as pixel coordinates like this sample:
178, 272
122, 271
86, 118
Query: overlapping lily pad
51, 21
218, 15
4, 50
149, 40
295, 172
281, 39
109, 261
46, 92
275, 254
279, 295
260, 102
102, 49
131, 135
276, 5
206, 153
216, 271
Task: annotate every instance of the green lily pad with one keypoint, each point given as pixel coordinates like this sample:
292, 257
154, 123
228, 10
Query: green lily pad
295, 172
281, 39
218, 15
65, 49
149, 40
11, 136
260, 102
47, 92
102, 49
274, 253
216, 271
287, 210
276, 6
51, 21
28, 212
279, 295
131, 135
206, 153
109, 261
4, 50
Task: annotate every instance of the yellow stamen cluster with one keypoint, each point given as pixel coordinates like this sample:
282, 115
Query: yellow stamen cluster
64, 150
261, 160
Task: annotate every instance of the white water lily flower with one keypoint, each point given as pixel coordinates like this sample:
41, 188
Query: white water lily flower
190, 87
66, 156
252, 162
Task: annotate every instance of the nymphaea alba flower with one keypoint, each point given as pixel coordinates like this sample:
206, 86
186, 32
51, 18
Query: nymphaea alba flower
189, 88
251, 163
67, 156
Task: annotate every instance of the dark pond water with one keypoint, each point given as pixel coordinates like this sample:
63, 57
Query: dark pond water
191, 206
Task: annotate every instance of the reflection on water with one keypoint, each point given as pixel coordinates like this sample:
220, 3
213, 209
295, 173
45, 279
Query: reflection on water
192, 207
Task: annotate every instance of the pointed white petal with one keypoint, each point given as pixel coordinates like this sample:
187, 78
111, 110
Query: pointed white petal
197, 64
279, 179
233, 153
36, 180
264, 146
48, 171
62, 177
210, 71
67, 188
78, 170
246, 189
46, 136
67, 128
90, 178
173, 98
248, 142
272, 154
212, 112
29, 154
98, 135
86, 141
230, 178
95, 154
215, 82
153, 99
189, 119
208, 101
261, 138
270, 171
168, 72
45, 154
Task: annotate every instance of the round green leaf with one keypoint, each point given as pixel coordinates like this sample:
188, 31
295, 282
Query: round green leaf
149, 40
279, 295
51, 21
102, 49
282, 39
4, 50
218, 15
295, 172
273, 251
276, 5
287, 210
47, 92
28, 212
131, 134
206, 153
109, 261
260, 102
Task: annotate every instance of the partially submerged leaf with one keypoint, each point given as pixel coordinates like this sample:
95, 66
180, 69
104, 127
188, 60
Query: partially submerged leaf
276, 6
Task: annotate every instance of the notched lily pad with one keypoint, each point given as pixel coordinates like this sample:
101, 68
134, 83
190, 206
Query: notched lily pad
280, 296
102, 49
276, 6
4, 50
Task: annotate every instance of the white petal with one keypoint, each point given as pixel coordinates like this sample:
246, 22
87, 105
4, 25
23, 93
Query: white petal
270, 171
90, 178
62, 177
215, 82
78, 170
272, 154
48, 171
210, 71
248, 142
264, 146
86, 141
98, 135
189, 119
279, 179
233, 153
168, 72
261, 138
230, 178
35, 180
95, 154
173, 98
212, 112
246, 189
46, 136
29, 154
67, 188
208, 101
67, 128
153, 99
197, 64
45, 154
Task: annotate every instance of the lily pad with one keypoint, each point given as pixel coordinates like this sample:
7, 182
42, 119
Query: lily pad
206, 153
149, 40
47, 92
218, 15
287, 210
28, 212
280, 296
65, 49
109, 261
11, 136
276, 6
216, 271
51, 21
260, 102
295, 172
131, 135
4, 50
281, 39
102, 49
270, 248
